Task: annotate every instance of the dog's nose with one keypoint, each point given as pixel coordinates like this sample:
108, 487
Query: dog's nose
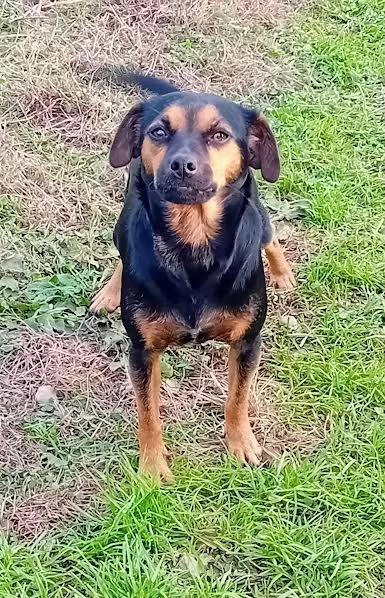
183, 167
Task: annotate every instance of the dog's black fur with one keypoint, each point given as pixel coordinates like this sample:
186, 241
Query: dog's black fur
175, 290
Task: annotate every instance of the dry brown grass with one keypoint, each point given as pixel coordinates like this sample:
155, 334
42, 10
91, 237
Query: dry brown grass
50, 509
53, 189
72, 367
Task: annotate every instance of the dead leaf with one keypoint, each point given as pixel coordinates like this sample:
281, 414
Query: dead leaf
8, 282
13, 263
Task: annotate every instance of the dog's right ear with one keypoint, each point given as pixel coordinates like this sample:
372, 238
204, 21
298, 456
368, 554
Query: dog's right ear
126, 143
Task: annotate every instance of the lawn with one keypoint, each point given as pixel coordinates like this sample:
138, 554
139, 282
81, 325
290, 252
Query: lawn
77, 521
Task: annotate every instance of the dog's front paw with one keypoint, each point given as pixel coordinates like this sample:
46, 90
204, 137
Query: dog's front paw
243, 445
154, 464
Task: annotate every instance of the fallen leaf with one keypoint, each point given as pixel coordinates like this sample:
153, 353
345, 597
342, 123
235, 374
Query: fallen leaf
14, 263
8, 282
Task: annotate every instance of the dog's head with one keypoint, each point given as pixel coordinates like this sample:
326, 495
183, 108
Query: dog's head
194, 145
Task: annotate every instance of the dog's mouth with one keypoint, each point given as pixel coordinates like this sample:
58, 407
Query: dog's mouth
186, 194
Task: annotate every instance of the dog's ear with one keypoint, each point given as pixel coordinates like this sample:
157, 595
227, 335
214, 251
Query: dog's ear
126, 143
262, 148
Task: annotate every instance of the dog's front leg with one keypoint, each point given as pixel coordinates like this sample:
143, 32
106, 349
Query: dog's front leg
145, 376
244, 359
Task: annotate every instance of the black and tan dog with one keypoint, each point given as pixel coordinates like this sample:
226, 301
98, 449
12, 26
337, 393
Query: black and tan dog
190, 237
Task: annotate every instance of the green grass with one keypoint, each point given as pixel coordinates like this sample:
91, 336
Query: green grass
307, 527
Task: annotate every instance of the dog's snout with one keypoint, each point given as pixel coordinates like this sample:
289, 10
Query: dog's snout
183, 167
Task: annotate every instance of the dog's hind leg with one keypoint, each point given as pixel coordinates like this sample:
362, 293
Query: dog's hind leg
108, 297
281, 274
244, 359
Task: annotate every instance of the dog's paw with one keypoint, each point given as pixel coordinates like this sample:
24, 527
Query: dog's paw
243, 445
108, 299
284, 279
154, 464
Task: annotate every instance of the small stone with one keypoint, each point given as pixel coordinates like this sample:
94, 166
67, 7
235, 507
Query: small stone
46, 398
290, 322
45, 394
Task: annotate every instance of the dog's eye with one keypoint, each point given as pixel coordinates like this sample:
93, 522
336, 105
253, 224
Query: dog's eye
220, 137
158, 133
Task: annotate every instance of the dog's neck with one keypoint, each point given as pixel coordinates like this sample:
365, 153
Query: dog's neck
193, 225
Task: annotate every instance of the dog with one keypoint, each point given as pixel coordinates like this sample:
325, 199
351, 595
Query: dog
190, 237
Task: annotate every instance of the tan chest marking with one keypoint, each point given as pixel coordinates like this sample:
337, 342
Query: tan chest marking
196, 224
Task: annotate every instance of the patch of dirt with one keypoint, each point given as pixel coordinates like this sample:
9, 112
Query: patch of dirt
49, 510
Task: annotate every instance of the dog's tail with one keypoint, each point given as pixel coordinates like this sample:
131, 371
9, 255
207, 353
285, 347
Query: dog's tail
121, 76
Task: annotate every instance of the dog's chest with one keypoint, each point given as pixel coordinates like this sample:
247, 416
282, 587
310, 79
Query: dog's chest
186, 260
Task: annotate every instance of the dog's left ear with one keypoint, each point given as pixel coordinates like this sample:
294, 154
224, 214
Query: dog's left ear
262, 148
126, 144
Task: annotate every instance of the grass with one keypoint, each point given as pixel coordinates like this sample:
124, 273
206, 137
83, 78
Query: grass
80, 522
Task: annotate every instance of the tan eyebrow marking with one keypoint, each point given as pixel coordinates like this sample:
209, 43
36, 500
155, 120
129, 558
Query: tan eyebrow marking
207, 117
176, 116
